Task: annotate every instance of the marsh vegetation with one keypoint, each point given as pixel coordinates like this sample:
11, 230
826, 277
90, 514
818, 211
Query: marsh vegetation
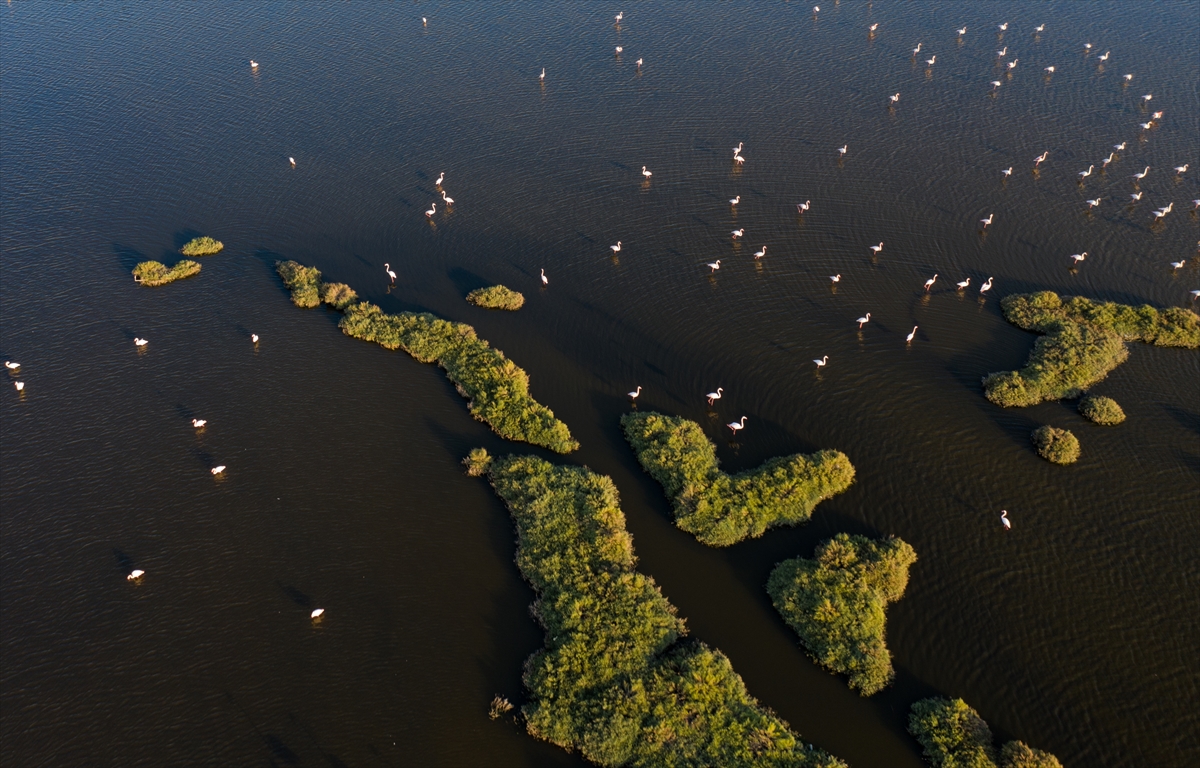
1056, 445
721, 509
201, 246
1083, 341
154, 273
955, 736
1101, 410
616, 680
497, 297
497, 390
836, 601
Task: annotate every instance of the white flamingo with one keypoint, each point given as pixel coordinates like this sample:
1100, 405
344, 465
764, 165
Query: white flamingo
739, 159
912, 334
736, 425
646, 173
615, 248
996, 84
254, 338
1094, 203
916, 50
962, 286
198, 423
760, 254
863, 320
1181, 169
545, 280
1041, 158
842, 149
1105, 56
1136, 196
1147, 97
1006, 172
253, 64
135, 574
1078, 257
1004, 520
542, 76
738, 233
988, 220
11, 365
20, 385
292, 160
836, 278
140, 342
1084, 174
441, 177
1119, 147
217, 469
735, 200
877, 248
1012, 64
619, 50
1050, 69
894, 98
1146, 126
930, 61
316, 614
714, 396
634, 394
802, 207
1002, 53
1039, 28
1128, 78
873, 27
620, 15
449, 200
929, 283
1179, 264
432, 210
738, 149
713, 266
987, 286
388, 269
639, 63
1104, 163
1004, 26
962, 31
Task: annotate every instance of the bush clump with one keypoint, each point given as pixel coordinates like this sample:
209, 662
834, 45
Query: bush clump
615, 680
836, 603
1056, 445
202, 246
721, 509
1083, 341
497, 389
955, 736
496, 297
156, 273
1102, 410
477, 462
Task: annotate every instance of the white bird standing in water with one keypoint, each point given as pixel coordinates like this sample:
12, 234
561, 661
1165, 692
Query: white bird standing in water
388, 269
760, 254
1179, 264
1039, 28
140, 342
441, 177
836, 278
873, 27
822, 362
1012, 64
916, 50
217, 469
736, 200
1094, 203
448, 200
987, 286
713, 266
1002, 53
1136, 196
996, 85
542, 76
863, 321
316, 614
929, 283
842, 149
894, 98
198, 423
545, 280
1105, 56
735, 426
802, 207
1004, 26
912, 334
292, 160
1119, 147
11, 365
253, 64
1004, 520
20, 385
877, 248
1181, 169
1084, 174
1078, 257
1041, 158
1050, 69
930, 61
615, 248
1007, 172
737, 233
646, 173
135, 574
619, 50
1104, 163
1147, 97
639, 63
634, 394
620, 15
1142, 175
988, 220
254, 338
1128, 78
963, 285
962, 31
432, 210
714, 396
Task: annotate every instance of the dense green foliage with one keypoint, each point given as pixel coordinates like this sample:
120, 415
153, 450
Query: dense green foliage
836, 604
477, 462
1084, 340
1102, 410
156, 273
496, 297
497, 389
721, 509
202, 246
1056, 445
955, 736
614, 680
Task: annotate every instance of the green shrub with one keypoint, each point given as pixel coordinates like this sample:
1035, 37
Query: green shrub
496, 297
1056, 445
721, 509
156, 273
955, 736
202, 246
836, 604
1084, 340
497, 389
615, 680
477, 462
1102, 410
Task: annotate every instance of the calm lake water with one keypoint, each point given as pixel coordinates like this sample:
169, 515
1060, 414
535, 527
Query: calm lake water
129, 128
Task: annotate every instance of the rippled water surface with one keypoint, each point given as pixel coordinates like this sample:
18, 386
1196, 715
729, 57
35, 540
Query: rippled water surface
128, 129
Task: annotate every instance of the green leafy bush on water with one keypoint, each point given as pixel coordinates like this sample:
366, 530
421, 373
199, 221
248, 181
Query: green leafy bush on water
1084, 340
1101, 410
497, 389
496, 297
1056, 445
721, 509
155, 273
955, 736
614, 680
836, 604
202, 246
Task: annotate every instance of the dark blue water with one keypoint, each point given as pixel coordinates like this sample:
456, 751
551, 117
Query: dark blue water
127, 130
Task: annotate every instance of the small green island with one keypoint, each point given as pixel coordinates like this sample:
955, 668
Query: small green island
497, 297
955, 736
201, 246
497, 390
835, 603
721, 509
1083, 341
1101, 410
155, 273
1058, 446
616, 679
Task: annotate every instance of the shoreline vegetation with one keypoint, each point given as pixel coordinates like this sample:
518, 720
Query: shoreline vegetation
201, 246
497, 297
1058, 446
496, 389
155, 273
616, 679
721, 509
955, 736
1083, 341
836, 604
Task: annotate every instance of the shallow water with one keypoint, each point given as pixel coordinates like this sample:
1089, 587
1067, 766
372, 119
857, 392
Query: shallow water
128, 130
